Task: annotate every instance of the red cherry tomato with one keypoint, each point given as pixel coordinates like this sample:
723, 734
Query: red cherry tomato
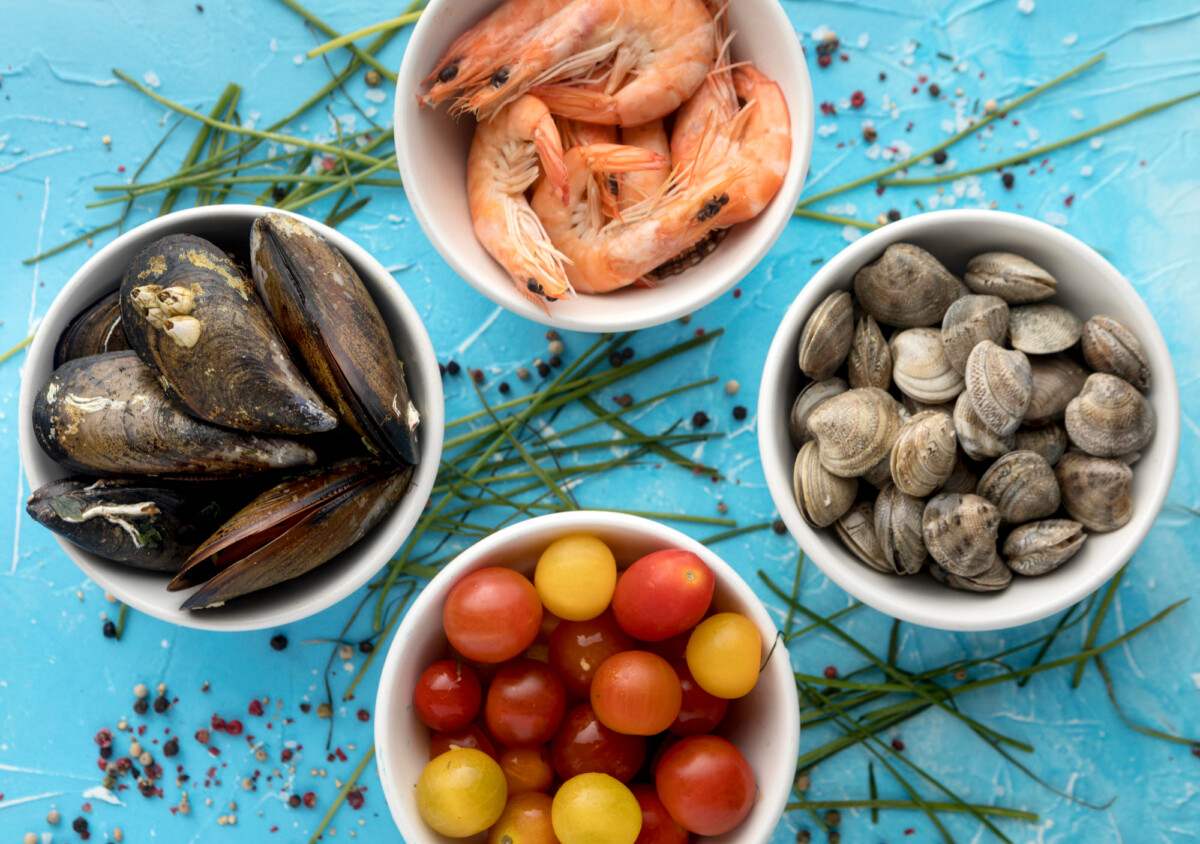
469, 736
657, 825
447, 696
706, 784
578, 648
583, 745
637, 693
699, 712
492, 614
525, 703
663, 594
527, 769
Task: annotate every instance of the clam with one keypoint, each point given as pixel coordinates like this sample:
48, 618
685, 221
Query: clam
960, 532
879, 475
1049, 441
925, 453
193, 317
109, 415
920, 368
1022, 486
907, 287
1041, 547
332, 324
962, 478
898, 530
140, 523
1043, 329
1014, 279
870, 361
976, 439
1108, 346
1109, 417
822, 496
995, 577
857, 531
855, 430
827, 335
968, 322
1095, 491
93, 332
999, 383
808, 401
292, 528
913, 407
1056, 380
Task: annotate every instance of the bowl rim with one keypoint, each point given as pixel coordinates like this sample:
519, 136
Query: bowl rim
772, 221
772, 421
432, 596
433, 418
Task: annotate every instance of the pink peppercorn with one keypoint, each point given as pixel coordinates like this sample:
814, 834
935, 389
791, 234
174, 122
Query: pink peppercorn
858, 99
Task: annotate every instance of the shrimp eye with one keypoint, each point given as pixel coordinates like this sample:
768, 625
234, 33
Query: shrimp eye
448, 72
713, 207
534, 286
614, 187
499, 77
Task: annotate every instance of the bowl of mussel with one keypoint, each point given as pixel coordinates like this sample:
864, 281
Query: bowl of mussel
230, 417
969, 420
603, 165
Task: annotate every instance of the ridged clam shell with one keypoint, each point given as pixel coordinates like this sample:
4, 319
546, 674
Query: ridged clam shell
1014, 279
825, 340
962, 478
1043, 329
995, 577
1041, 547
1095, 491
879, 475
1049, 441
869, 363
898, 530
977, 440
920, 368
1056, 380
822, 496
808, 400
999, 383
968, 322
913, 407
855, 430
857, 531
1109, 417
1022, 486
907, 287
960, 532
924, 454
1108, 346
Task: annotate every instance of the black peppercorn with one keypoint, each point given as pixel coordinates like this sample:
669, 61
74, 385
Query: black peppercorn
279, 641
161, 704
106, 752
441, 369
627, 353
934, 90
503, 387
616, 359
80, 825
555, 361
171, 747
110, 630
739, 412
278, 194
779, 527
294, 801
893, 215
453, 368
939, 157
1008, 180
366, 647
699, 419
140, 706
543, 369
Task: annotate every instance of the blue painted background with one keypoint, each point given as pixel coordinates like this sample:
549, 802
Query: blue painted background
1135, 193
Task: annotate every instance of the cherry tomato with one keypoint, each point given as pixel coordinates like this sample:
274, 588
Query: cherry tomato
595, 808
663, 594
583, 745
492, 614
575, 577
461, 792
724, 654
527, 769
469, 736
706, 784
636, 692
699, 712
578, 648
657, 825
525, 703
525, 820
447, 696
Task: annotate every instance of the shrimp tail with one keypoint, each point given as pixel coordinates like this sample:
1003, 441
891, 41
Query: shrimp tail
578, 103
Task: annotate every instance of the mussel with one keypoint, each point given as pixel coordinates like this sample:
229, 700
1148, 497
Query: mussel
96, 330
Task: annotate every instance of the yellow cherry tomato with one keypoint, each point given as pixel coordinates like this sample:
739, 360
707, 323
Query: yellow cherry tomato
723, 654
526, 820
461, 792
595, 809
575, 577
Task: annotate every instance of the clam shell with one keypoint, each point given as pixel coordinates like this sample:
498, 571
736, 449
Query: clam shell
1056, 380
960, 532
1022, 486
1095, 491
898, 530
1108, 346
907, 287
970, 321
1041, 547
880, 475
1043, 329
913, 407
1109, 417
977, 440
857, 532
920, 367
999, 383
96, 330
925, 453
822, 496
962, 478
855, 430
1049, 441
870, 361
825, 340
995, 577
808, 401
1014, 279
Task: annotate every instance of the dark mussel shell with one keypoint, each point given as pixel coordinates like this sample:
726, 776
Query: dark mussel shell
291, 529
331, 323
96, 330
109, 415
194, 318
140, 523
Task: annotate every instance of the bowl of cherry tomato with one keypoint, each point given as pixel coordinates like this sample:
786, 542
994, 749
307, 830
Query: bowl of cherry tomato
587, 677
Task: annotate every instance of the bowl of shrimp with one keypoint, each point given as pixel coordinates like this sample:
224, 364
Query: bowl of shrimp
603, 165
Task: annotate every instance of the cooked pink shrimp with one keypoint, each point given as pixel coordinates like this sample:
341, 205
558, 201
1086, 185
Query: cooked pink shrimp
639, 186
576, 133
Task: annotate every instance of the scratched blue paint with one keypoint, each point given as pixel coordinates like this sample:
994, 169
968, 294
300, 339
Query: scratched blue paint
1135, 194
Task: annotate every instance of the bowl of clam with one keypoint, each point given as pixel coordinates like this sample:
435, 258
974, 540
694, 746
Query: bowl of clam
969, 420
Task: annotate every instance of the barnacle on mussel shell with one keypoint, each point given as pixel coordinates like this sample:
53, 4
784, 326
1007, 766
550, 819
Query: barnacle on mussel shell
96, 330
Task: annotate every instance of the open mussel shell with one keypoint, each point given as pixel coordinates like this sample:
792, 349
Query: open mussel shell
292, 528
333, 325
137, 522
96, 330
109, 415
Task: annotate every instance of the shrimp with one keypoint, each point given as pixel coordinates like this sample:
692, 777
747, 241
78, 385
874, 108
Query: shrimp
576, 133
643, 184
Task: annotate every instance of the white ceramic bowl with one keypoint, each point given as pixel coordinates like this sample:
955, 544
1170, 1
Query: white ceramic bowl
229, 226
765, 725
1088, 285
432, 152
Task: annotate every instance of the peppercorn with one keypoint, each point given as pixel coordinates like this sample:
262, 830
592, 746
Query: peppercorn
897, 744
140, 706
523, 373
278, 194
779, 527
858, 99
106, 752
627, 353
453, 368
171, 747
893, 215
310, 799
830, 672
870, 134
279, 641
477, 375
803, 837
80, 825
234, 727
202, 736
835, 838
939, 157
294, 801
161, 704
109, 630
441, 368
556, 347
934, 90
833, 817
699, 419
623, 400
824, 60
1008, 179
555, 361
503, 387
373, 78
616, 359
365, 646
739, 412
363, 715
543, 369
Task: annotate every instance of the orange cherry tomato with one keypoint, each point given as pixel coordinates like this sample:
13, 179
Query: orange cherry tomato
706, 784
525, 820
492, 615
657, 825
527, 769
637, 693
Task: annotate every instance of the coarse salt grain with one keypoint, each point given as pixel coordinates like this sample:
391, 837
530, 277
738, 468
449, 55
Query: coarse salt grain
1085, 170
1097, 143
298, 59
1070, 39
1076, 114
1025, 7
151, 79
376, 95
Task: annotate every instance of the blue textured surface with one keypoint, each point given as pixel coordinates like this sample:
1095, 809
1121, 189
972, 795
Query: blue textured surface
1136, 194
